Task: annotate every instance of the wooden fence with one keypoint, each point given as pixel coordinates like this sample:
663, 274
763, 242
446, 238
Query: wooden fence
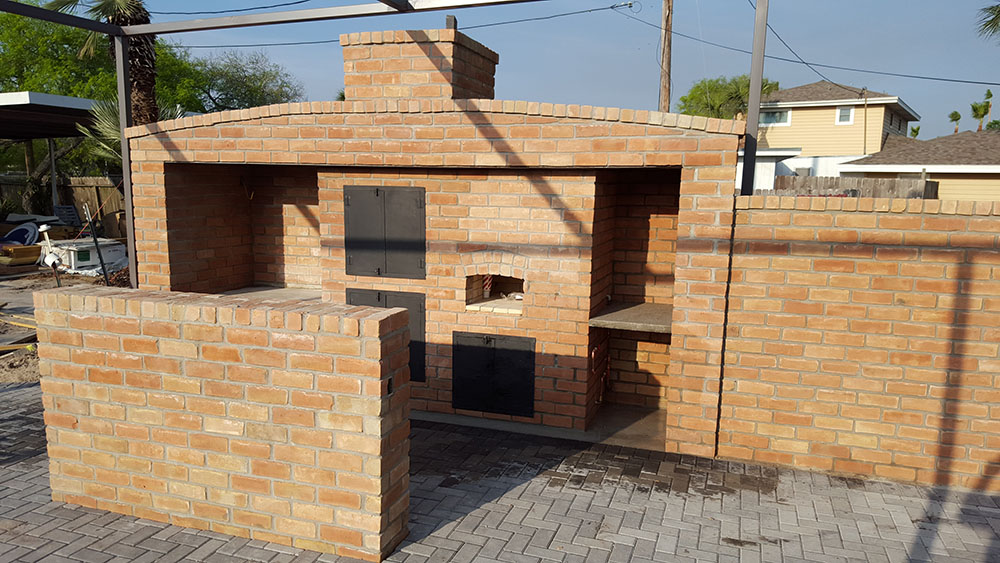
855, 187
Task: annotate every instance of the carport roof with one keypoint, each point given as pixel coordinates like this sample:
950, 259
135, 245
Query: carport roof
31, 115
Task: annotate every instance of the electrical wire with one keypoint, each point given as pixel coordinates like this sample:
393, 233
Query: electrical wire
523, 20
820, 65
551, 17
233, 11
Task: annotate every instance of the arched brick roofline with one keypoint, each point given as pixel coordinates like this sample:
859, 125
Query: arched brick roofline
500, 107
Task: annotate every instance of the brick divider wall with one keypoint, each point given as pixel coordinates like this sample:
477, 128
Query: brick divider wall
279, 421
864, 338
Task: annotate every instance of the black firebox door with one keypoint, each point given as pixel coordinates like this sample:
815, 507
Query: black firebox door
493, 373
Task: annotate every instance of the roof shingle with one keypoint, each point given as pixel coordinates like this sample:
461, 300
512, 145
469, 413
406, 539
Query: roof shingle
967, 148
818, 92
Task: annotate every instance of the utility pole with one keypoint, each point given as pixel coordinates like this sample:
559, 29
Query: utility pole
753, 108
665, 37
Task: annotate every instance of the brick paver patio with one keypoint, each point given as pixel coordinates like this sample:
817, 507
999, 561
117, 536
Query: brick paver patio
487, 496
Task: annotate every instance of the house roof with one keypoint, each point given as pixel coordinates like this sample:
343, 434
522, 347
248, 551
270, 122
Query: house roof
825, 93
820, 92
971, 148
31, 115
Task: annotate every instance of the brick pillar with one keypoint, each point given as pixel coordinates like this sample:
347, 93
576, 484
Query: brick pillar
417, 64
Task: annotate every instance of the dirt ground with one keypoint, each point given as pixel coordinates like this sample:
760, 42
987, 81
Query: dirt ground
20, 366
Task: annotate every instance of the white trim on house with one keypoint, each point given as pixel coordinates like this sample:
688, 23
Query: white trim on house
850, 120
843, 102
918, 168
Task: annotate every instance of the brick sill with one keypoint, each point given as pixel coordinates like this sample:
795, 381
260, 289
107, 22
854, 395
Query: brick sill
498, 306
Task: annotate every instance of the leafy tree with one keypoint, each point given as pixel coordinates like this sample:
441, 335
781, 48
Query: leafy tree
141, 49
993, 125
955, 117
722, 97
914, 131
237, 80
989, 21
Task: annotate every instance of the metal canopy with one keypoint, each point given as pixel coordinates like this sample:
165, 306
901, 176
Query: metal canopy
30, 115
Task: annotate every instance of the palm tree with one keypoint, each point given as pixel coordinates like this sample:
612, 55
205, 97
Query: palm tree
141, 51
989, 21
104, 132
979, 111
955, 117
914, 131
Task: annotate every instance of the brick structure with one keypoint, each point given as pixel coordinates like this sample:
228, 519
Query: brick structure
849, 335
864, 338
541, 193
278, 421
417, 64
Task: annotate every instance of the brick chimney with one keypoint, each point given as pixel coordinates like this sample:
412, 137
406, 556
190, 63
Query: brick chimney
437, 63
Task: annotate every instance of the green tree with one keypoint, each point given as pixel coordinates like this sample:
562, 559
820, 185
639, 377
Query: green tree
993, 125
989, 21
915, 131
955, 117
237, 80
722, 97
141, 49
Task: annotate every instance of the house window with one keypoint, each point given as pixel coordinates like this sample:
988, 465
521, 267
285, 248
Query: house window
845, 115
384, 231
775, 117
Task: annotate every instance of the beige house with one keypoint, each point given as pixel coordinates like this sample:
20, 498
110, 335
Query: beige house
831, 124
965, 165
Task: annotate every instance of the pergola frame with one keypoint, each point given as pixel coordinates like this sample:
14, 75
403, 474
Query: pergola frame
121, 35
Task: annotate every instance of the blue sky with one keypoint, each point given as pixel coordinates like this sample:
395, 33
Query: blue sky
603, 58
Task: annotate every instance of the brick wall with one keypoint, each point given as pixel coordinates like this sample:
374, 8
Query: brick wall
284, 209
208, 226
285, 423
511, 190
541, 221
416, 64
864, 338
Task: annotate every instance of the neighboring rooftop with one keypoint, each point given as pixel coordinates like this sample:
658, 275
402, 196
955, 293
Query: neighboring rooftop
970, 148
821, 91
825, 93
31, 115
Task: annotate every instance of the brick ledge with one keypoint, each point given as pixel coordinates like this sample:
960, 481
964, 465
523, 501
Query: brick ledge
867, 205
510, 107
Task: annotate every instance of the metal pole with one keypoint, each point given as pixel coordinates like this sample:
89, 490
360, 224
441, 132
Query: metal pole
753, 107
666, 34
124, 121
52, 174
97, 244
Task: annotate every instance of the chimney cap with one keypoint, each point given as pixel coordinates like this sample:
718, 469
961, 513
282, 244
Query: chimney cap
450, 22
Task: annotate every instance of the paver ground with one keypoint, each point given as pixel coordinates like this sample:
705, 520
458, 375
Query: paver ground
485, 496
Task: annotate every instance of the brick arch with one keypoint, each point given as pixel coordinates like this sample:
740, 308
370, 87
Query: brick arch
495, 262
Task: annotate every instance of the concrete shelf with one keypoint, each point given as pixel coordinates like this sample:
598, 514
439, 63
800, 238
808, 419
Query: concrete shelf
636, 317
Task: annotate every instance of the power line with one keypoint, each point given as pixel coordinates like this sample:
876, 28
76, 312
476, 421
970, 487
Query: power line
820, 65
233, 11
523, 20
551, 17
